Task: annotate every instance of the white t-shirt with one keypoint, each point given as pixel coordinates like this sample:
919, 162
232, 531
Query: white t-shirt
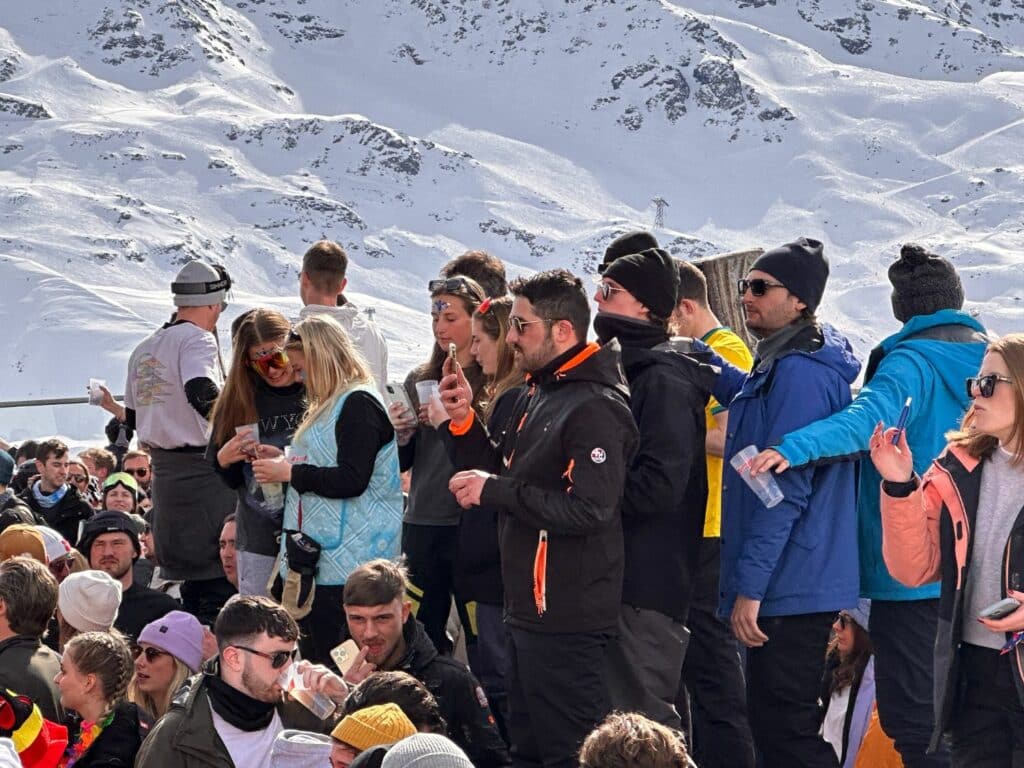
366, 336
155, 390
248, 749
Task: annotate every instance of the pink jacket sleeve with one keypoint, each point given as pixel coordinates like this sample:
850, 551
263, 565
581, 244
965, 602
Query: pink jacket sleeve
910, 534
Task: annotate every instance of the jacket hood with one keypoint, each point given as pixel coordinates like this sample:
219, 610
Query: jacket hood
592, 363
834, 352
948, 363
678, 355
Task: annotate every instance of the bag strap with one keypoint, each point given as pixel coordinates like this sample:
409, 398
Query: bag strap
300, 514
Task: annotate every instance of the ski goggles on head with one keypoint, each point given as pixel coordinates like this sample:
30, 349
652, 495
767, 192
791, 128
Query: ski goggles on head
275, 359
448, 285
986, 385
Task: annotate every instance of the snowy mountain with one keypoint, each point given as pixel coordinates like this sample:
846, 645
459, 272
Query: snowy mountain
138, 134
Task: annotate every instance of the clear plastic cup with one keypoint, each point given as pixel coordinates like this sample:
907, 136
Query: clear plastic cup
320, 704
426, 390
249, 443
764, 484
95, 393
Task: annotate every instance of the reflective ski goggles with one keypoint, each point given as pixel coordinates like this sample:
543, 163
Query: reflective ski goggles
986, 385
274, 359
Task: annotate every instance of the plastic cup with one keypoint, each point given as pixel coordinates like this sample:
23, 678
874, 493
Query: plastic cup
426, 390
321, 705
249, 443
764, 484
95, 393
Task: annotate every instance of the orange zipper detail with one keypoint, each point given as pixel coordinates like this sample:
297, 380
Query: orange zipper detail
540, 574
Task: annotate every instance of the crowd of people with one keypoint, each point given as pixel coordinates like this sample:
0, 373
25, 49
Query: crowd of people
536, 549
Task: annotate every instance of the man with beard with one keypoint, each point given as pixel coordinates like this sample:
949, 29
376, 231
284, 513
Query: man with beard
389, 638
787, 569
232, 712
556, 479
111, 543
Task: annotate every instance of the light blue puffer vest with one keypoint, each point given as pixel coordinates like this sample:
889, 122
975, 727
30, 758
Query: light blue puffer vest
350, 531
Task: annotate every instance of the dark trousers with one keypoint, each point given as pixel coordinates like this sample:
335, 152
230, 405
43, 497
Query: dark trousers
488, 659
430, 557
903, 634
204, 598
324, 627
712, 690
988, 721
557, 695
783, 684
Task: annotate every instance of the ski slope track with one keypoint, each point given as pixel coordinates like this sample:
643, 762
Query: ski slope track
136, 135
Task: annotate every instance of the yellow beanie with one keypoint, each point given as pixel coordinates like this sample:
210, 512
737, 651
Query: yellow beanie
373, 726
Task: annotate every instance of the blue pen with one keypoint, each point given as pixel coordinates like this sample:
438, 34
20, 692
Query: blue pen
902, 422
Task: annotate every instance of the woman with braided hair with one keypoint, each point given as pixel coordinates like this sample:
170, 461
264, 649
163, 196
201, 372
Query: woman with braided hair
105, 730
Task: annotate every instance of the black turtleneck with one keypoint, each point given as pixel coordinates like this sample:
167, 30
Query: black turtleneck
238, 708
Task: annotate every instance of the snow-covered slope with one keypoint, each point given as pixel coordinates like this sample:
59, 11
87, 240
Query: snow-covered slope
138, 134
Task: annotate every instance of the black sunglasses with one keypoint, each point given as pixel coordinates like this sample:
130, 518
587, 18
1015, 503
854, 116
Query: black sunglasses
277, 659
293, 336
138, 472
986, 384
757, 286
842, 620
151, 653
77, 478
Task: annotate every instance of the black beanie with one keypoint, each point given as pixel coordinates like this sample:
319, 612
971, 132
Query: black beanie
109, 521
623, 245
923, 283
801, 266
651, 276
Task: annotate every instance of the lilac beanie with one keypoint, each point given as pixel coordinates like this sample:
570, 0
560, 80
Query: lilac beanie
178, 633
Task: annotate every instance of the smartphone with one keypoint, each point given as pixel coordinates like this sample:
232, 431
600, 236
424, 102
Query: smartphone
394, 392
452, 352
344, 655
1000, 610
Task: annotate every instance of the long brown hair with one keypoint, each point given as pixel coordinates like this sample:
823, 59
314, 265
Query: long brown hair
236, 404
470, 296
852, 665
492, 316
979, 445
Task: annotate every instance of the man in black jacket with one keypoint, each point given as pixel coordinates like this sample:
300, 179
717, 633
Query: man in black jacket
51, 497
389, 638
666, 488
556, 479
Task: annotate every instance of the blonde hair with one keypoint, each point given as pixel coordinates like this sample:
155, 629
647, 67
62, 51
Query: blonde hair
158, 707
333, 365
106, 655
978, 444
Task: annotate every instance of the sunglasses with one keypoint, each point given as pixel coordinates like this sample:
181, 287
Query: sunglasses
519, 325
78, 478
757, 286
151, 653
842, 620
139, 472
986, 385
607, 289
61, 565
276, 359
277, 659
293, 336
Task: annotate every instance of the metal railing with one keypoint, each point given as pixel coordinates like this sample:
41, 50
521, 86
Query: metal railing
50, 401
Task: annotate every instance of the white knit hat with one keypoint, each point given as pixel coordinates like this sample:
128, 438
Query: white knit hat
426, 750
89, 600
300, 749
197, 284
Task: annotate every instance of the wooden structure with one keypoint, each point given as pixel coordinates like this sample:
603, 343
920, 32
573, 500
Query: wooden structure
722, 271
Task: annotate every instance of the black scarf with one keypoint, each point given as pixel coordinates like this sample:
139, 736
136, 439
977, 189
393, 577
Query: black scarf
802, 333
629, 331
238, 709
